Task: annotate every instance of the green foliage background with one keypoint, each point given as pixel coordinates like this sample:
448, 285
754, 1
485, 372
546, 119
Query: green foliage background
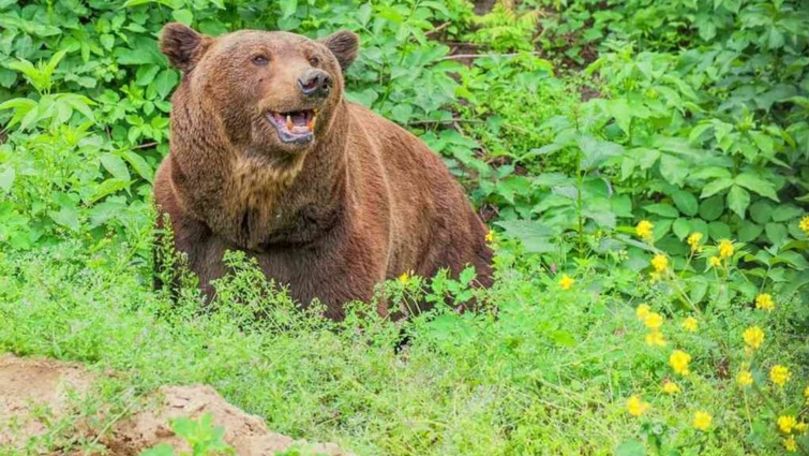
568, 121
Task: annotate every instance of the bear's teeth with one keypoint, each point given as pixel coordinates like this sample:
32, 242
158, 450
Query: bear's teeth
289, 122
311, 123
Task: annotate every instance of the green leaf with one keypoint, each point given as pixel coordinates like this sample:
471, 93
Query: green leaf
738, 200
785, 212
620, 110
673, 169
183, 15
681, 228
712, 208
776, 233
67, 216
719, 230
139, 165
662, 209
715, 186
115, 166
288, 8
685, 202
7, 176
630, 448
761, 211
757, 185
749, 232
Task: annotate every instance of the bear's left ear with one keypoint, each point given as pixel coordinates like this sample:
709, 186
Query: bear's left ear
343, 45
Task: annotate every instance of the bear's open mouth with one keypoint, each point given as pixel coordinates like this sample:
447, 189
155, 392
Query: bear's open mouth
294, 126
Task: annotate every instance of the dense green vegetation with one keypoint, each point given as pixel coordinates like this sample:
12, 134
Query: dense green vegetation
644, 167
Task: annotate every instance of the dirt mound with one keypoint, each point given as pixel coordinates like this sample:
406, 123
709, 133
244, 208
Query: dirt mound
36, 392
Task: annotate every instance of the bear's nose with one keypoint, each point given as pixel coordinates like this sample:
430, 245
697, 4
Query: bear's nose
315, 83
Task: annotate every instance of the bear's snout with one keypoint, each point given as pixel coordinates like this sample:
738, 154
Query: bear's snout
315, 83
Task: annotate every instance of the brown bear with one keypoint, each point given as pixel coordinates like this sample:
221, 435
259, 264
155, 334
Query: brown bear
268, 157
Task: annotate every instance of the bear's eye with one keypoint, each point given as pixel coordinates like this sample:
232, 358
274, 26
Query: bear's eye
260, 60
314, 61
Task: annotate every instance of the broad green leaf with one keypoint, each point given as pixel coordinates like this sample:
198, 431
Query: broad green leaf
776, 233
662, 209
715, 186
630, 448
738, 200
686, 202
115, 166
682, 228
7, 176
784, 212
712, 208
749, 231
67, 216
757, 185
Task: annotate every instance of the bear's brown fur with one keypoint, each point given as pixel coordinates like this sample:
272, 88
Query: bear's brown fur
331, 200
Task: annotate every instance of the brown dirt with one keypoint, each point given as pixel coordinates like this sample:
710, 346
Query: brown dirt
28, 386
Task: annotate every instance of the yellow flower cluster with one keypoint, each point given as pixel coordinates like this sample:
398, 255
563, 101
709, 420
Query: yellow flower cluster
566, 282
694, 241
654, 322
404, 278
644, 230
690, 324
725, 249
780, 375
764, 302
679, 361
745, 378
660, 263
787, 424
635, 406
804, 224
702, 420
670, 387
490, 236
753, 337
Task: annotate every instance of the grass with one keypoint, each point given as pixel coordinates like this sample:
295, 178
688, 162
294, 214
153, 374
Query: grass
548, 373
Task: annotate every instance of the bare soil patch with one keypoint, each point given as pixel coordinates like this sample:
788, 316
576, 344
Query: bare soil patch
35, 393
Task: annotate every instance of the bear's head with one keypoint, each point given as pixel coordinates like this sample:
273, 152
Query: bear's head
273, 93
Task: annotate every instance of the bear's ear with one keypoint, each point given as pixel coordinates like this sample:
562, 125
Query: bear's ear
183, 45
343, 45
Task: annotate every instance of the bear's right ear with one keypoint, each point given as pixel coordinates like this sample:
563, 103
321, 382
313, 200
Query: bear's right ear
183, 45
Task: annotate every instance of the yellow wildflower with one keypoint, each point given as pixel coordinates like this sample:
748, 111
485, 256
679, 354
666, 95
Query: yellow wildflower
801, 427
404, 278
753, 337
642, 311
786, 423
790, 445
690, 324
764, 302
702, 420
679, 361
653, 321
635, 406
644, 230
655, 338
566, 282
804, 224
490, 236
725, 249
780, 375
693, 241
714, 261
670, 387
745, 378
660, 262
